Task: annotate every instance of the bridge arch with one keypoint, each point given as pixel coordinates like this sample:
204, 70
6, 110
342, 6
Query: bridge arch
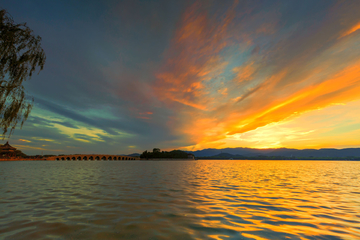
92, 157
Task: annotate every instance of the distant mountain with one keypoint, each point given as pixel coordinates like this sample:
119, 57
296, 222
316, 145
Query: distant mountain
286, 152
134, 155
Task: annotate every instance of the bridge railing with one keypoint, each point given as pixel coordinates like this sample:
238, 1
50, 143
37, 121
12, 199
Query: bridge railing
92, 158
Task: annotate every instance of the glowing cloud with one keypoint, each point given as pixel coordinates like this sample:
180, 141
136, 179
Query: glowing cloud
351, 30
221, 98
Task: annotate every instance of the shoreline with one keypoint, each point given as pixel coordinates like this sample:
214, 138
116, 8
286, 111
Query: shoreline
169, 159
179, 159
21, 159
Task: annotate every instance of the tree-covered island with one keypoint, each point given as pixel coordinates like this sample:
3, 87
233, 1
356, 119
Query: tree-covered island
156, 153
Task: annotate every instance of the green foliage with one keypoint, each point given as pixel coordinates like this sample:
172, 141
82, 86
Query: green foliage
21, 54
158, 154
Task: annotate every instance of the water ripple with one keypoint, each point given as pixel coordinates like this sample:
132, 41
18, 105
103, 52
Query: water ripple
180, 200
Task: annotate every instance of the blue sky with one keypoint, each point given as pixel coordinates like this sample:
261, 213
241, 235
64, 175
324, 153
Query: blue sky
126, 76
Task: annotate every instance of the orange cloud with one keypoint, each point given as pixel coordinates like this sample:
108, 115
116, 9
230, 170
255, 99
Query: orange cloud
351, 30
193, 60
143, 115
245, 73
214, 98
342, 87
223, 91
336, 126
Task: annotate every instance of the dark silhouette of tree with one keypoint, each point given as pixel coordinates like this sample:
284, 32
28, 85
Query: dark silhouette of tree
20, 55
145, 154
156, 153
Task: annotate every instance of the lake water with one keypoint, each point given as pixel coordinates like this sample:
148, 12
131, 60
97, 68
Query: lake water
204, 199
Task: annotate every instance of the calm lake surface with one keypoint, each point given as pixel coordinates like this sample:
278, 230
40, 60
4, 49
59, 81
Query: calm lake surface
204, 199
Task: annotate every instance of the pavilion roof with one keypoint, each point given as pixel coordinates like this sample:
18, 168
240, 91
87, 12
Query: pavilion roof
7, 146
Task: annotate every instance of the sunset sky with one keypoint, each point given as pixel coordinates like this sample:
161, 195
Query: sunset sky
126, 76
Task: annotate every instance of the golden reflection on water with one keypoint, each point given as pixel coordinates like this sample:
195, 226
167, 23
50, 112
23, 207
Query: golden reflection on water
180, 200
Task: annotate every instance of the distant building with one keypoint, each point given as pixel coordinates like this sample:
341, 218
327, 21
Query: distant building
191, 156
7, 151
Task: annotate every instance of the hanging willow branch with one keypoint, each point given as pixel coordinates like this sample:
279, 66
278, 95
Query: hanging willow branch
20, 55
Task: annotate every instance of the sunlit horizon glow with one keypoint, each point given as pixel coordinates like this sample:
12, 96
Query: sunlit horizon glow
208, 75
327, 78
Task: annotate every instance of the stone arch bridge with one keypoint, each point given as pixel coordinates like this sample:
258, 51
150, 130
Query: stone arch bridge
91, 157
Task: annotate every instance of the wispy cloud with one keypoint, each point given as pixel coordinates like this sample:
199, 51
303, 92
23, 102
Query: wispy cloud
191, 74
353, 29
298, 72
